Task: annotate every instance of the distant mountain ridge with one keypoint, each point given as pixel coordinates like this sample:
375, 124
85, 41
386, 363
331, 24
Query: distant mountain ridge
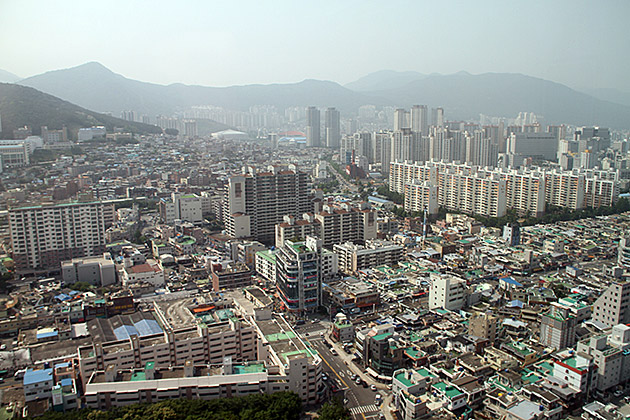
463, 95
8, 77
21, 105
93, 86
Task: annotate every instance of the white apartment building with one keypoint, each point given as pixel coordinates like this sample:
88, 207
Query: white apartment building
38, 384
115, 388
421, 196
612, 306
345, 223
526, 190
447, 292
45, 235
374, 253
266, 265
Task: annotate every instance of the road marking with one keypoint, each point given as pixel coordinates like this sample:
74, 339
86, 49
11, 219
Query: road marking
365, 409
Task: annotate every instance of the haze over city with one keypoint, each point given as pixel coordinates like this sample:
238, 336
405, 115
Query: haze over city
579, 43
333, 210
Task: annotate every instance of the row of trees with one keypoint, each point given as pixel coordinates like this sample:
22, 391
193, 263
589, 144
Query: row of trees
277, 406
555, 214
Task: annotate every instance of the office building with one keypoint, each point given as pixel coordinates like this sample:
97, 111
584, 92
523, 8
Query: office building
611, 307
97, 271
230, 276
447, 292
401, 119
557, 327
298, 275
313, 127
255, 202
184, 207
535, 145
419, 119
332, 127
14, 155
43, 236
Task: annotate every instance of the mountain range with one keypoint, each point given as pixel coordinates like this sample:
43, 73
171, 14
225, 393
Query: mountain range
463, 96
7, 77
21, 105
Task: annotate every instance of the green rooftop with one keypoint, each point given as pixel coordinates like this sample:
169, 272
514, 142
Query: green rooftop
139, 376
280, 336
251, 368
401, 377
267, 255
382, 336
448, 390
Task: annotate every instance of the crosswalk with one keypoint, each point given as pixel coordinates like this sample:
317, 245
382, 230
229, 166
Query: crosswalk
364, 409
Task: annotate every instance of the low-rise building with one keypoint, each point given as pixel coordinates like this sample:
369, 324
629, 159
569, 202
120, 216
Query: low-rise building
98, 271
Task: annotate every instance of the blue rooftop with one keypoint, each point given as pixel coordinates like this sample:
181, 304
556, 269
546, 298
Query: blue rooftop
378, 199
510, 280
37, 376
66, 382
141, 328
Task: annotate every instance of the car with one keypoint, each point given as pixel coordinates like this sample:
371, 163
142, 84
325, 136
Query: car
618, 393
334, 352
373, 387
354, 376
324, 377
306, 334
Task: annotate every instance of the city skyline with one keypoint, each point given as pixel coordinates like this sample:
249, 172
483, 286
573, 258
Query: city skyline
220, 45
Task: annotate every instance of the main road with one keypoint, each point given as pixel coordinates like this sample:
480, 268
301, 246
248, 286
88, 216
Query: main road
360, 400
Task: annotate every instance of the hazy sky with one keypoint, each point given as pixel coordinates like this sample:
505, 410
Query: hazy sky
218, 43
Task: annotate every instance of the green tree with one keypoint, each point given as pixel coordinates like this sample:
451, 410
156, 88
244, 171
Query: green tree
334, 410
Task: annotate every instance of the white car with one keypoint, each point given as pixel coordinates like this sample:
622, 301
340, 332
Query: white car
373, 387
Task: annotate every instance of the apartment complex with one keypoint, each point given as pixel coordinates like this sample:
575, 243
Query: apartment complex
45, 235
489, 192
255, 202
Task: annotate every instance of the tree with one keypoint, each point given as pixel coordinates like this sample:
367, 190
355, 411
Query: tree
171, 131
334, 410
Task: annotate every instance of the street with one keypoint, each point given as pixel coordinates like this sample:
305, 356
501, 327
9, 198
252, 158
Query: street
360, 400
